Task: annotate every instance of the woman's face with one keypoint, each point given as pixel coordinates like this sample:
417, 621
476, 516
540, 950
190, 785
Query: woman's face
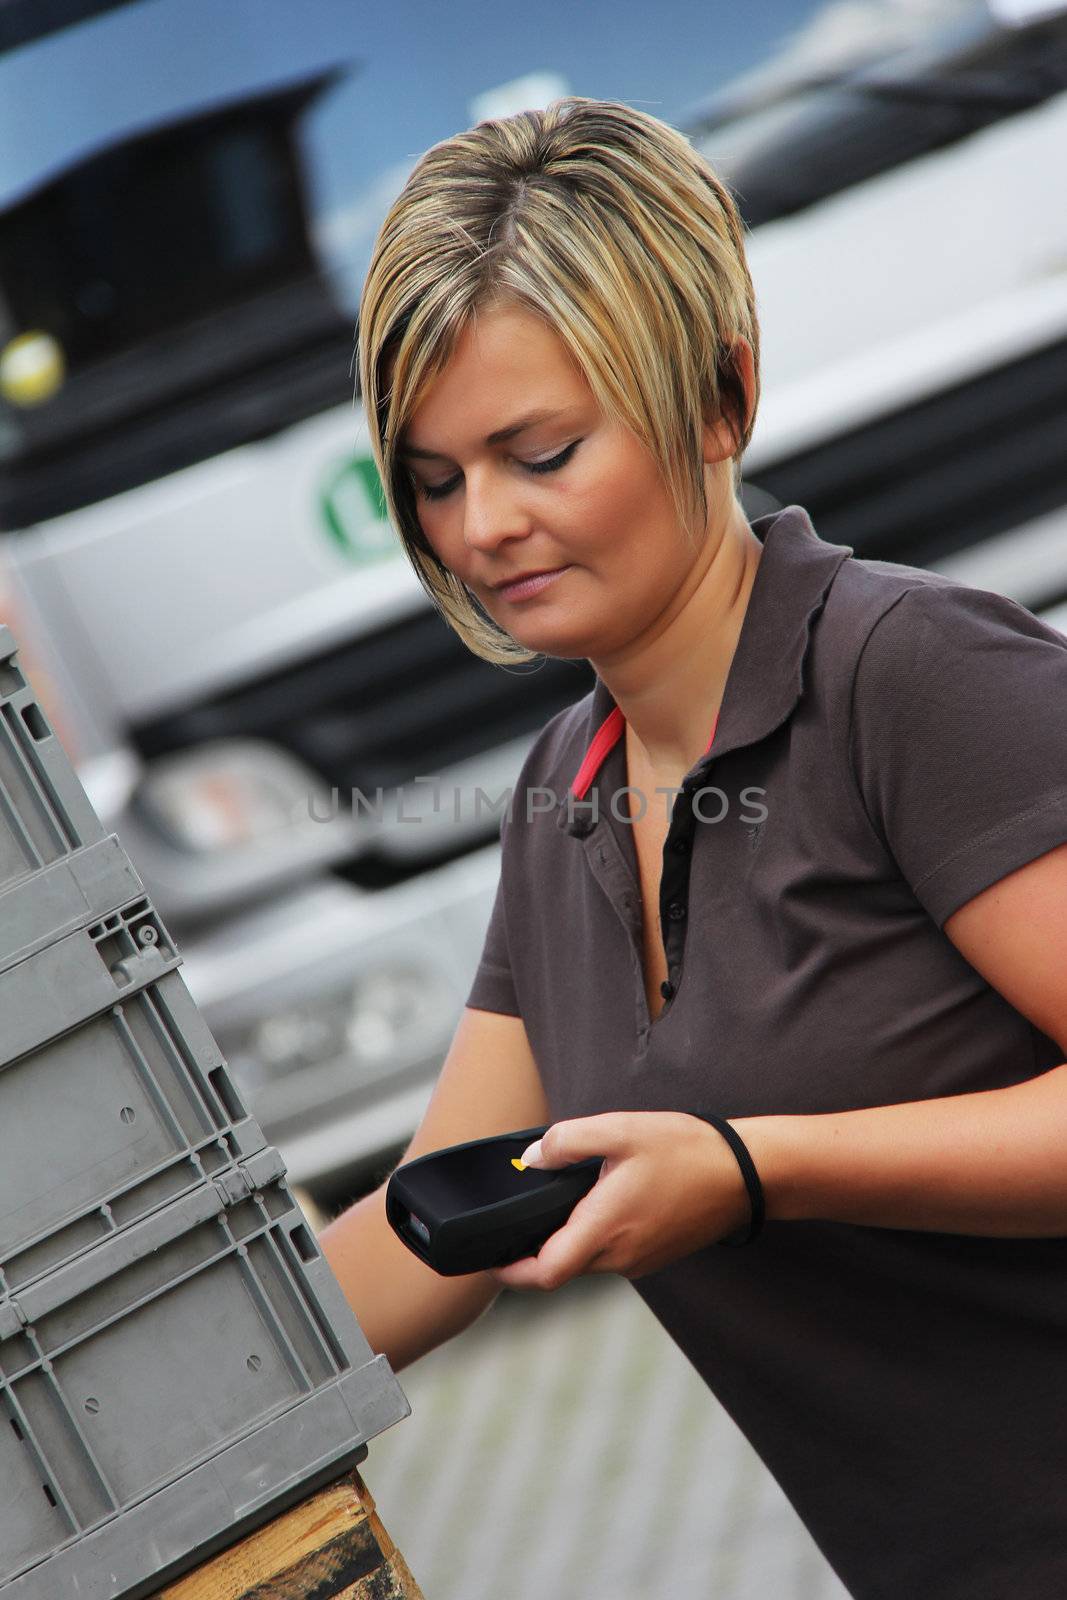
565, 491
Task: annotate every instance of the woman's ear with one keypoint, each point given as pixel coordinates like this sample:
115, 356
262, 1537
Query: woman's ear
722, 434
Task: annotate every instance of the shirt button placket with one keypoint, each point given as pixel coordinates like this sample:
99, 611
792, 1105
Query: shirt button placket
676, 912
676, 870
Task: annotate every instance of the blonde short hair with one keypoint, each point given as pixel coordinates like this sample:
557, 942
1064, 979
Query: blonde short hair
605, 222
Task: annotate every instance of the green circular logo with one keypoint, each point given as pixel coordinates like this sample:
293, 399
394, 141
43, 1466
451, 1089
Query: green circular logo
353, 511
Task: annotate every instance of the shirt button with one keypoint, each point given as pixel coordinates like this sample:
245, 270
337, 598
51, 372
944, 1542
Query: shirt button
676, 911
666, 990
680, 846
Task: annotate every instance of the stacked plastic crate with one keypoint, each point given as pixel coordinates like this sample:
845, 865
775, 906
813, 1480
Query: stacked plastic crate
177, 1360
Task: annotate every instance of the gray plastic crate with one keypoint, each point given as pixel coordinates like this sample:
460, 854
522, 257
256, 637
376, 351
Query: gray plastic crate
44, 811
172, 1387
106, 1109
177, 1360
69, 894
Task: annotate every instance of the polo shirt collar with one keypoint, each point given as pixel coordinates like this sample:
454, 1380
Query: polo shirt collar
766, 674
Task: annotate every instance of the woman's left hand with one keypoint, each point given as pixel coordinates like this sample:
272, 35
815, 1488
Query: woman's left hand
670, 1184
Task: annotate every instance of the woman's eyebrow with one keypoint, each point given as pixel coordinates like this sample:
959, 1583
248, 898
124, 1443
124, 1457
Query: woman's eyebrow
528, 421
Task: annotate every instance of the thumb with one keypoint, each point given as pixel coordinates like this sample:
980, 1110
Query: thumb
532, 1155
575, 1139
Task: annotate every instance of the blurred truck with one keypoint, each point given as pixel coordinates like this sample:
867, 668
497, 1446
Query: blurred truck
305, 764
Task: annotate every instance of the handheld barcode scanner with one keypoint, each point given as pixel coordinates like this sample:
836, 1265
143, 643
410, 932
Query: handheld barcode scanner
471, 1206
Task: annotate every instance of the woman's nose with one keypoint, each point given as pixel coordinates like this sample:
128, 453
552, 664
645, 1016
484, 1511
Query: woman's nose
491, 512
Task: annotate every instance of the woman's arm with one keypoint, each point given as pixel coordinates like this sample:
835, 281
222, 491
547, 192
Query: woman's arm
994, 1162
991, 1163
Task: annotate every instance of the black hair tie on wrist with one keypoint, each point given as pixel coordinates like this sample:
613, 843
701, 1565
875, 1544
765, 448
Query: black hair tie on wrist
748, 1172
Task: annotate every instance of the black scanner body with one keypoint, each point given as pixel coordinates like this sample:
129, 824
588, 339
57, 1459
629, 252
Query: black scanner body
466, 1208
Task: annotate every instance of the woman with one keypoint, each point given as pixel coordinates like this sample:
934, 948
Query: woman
797, 862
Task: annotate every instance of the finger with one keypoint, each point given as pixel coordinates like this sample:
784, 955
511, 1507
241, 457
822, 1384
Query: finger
573, 1249
562, 1256
531, 1272
609, 1133
520, 1274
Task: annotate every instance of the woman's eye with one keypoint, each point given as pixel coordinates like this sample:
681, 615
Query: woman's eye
438, 491
553, 463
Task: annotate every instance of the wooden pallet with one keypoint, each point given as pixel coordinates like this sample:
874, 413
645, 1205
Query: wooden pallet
332, 1547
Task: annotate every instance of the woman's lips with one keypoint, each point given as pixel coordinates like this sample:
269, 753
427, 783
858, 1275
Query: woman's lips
530, 586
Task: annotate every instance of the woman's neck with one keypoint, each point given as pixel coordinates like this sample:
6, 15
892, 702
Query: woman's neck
670, 687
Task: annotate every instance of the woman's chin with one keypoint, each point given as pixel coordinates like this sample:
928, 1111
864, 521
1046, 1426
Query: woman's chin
551, 644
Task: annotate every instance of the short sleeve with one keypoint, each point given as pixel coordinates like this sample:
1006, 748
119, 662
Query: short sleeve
494, 987
958, 739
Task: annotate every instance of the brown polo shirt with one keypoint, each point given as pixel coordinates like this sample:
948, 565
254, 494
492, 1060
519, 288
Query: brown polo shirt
889, 744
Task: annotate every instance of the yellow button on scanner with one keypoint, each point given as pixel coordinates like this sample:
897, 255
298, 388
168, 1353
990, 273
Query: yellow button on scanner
521, 1165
